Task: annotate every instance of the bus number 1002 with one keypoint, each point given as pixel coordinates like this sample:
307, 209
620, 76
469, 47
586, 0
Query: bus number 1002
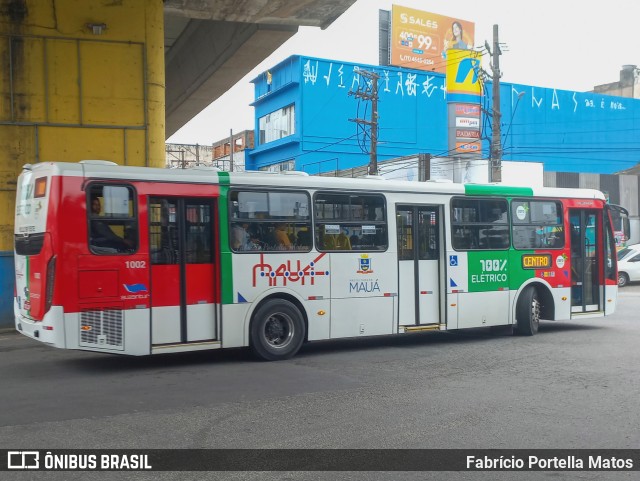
136, 264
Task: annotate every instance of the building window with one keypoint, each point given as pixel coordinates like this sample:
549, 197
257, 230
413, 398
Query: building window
537, 224
479, 224
277, 124
350, 222
269, 221
113, 227
279, 167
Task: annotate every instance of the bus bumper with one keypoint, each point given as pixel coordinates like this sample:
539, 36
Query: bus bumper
49, 331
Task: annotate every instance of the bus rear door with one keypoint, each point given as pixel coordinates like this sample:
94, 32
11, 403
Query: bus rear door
184, 300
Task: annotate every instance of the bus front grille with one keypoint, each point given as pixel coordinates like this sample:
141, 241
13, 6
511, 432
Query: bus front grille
101, 328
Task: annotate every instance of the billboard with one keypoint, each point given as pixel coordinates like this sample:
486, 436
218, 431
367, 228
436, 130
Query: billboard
463, 80
419, 39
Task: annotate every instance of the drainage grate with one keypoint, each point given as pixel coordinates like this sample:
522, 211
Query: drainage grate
102, 328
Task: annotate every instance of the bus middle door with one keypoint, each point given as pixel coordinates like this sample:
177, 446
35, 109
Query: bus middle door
419, 234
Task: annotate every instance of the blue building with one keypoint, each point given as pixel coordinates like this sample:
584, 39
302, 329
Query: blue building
304, 111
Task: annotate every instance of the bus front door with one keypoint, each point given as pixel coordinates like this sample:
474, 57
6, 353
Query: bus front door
183, 275
585, 284
419, 235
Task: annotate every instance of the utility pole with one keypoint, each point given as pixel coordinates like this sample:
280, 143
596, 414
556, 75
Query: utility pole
231, 150
496, 142
370, 94
424, 167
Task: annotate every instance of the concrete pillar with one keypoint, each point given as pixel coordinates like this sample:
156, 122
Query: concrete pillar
78, 80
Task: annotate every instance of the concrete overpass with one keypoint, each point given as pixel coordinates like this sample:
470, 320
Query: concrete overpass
211, 44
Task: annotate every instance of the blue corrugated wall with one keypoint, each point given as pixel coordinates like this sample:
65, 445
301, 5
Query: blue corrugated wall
565, 130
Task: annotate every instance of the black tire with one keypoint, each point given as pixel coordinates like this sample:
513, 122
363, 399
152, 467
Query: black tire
277, 330
623, 279
528, 312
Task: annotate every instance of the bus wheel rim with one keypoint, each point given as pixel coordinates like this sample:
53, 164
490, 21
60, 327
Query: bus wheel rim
278, 330
535, 311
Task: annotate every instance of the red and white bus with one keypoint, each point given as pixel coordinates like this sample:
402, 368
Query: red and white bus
141, 261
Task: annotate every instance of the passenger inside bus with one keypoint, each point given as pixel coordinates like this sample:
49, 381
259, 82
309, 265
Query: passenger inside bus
333, 242
243, 238
101, 238
281, 237
354, 240
240, 237
341, 242
304, 239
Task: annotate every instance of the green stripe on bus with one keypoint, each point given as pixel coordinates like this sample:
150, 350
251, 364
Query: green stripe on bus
226, 261
223, 178
474, 189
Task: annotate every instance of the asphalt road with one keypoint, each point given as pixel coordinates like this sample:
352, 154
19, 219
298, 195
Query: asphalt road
574, 385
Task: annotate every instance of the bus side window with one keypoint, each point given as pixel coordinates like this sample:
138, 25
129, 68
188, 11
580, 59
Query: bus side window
537, 224
342, 217
273, 221
479, 224
112, 222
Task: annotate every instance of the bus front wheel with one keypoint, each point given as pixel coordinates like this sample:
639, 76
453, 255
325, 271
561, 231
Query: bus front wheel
528, 312
277, 330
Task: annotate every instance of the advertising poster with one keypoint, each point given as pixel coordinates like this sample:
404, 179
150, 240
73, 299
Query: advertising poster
420, 40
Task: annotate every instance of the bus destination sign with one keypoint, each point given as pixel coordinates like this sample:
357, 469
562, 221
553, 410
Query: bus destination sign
536, 261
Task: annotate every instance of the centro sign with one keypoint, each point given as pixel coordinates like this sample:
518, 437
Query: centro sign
536, 261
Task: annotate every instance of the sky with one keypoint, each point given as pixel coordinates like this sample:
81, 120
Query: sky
563, 44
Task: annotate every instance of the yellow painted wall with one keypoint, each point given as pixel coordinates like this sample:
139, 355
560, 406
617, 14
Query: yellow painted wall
67, 94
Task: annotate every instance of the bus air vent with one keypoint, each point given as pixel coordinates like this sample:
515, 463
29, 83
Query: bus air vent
97, 162
101, 328
206, 168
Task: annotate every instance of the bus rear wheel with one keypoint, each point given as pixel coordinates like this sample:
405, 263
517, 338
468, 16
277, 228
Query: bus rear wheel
528, 312
277, 330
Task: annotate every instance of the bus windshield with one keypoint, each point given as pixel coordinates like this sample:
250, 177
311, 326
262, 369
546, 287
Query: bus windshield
621, 227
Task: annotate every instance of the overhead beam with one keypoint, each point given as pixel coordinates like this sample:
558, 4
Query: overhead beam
209, 58
315, 13
223, 41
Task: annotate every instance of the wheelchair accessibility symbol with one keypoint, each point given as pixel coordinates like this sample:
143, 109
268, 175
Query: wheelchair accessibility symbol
453, 261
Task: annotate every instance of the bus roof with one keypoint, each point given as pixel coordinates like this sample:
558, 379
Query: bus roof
291, 179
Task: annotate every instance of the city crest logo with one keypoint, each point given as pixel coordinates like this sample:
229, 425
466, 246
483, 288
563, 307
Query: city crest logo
364, 264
